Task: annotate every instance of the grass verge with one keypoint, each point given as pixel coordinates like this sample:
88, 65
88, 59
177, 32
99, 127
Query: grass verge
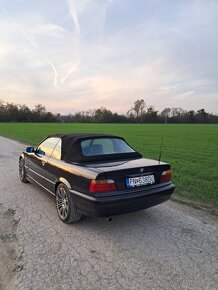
190, 149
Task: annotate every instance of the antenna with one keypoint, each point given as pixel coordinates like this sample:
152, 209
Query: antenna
161, 145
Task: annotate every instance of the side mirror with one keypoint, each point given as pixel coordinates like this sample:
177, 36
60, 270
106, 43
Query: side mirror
40, 152
30, 150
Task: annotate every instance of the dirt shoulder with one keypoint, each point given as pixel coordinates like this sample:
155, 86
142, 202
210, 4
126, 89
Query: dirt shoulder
10, 254
206, 207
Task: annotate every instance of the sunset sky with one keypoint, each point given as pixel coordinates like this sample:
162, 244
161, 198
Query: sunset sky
82, 54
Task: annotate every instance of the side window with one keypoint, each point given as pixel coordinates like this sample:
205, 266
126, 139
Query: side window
48, 145
57, 151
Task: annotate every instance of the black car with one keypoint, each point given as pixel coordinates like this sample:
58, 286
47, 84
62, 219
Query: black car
95, 175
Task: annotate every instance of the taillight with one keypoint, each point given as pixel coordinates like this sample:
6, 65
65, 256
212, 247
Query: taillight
166, 176
102, 185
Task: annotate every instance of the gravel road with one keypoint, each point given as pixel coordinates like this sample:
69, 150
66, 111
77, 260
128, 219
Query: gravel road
170, 246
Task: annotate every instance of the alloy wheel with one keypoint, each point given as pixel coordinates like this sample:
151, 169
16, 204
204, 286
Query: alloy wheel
21, 170
62, 203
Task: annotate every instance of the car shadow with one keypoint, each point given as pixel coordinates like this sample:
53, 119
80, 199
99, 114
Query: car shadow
137, 224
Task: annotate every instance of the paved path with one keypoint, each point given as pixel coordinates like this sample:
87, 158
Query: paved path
169, 246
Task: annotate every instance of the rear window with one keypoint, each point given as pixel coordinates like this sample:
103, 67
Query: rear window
104, 146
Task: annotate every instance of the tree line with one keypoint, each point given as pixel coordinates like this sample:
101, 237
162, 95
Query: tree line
138, 113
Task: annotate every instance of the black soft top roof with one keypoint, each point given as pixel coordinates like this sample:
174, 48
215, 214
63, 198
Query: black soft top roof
72, 151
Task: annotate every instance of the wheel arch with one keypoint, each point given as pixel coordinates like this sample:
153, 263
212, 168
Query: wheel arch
21, 156
64, 181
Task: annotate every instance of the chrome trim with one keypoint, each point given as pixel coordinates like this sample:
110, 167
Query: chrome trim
40, 175
28, 176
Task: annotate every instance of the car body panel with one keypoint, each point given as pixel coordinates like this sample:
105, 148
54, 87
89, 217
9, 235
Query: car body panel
124, 202
36, 167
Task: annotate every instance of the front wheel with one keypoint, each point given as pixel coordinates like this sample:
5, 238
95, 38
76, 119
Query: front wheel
22, 171
66, 208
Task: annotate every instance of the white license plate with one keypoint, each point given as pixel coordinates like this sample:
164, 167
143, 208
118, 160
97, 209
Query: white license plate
140, 181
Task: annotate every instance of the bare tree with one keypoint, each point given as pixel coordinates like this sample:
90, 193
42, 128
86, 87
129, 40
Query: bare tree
40, 109
138, 109
165, 114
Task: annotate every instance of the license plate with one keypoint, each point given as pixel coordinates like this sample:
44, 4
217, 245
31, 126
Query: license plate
140, 181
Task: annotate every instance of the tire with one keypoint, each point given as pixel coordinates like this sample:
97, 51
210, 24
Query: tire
65, 205
22, 171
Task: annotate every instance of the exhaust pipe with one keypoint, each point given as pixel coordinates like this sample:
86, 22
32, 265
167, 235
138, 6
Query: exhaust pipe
109, 219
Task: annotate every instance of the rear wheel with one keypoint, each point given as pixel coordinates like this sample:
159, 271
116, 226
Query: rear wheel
22, 171
66, 208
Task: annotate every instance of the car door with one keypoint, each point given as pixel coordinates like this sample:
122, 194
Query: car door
52, 167
37, 161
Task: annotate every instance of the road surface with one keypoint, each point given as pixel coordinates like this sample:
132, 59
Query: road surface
169, 246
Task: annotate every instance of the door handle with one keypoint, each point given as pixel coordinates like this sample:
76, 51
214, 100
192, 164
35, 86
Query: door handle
43, 163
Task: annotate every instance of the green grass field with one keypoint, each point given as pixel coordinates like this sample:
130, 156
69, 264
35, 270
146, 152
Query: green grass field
192, 150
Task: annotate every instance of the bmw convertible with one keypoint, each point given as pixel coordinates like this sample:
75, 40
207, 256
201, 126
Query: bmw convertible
95, 175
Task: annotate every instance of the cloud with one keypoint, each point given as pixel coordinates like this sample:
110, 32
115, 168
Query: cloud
70, 70
32, 42
88, 15
74, 14
50, 30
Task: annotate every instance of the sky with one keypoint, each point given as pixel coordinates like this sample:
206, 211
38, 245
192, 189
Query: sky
82, 54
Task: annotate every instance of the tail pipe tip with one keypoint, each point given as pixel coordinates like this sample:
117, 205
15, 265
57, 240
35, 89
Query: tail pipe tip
109, 218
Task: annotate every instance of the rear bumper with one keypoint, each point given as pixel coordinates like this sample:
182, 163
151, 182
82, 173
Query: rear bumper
122, 202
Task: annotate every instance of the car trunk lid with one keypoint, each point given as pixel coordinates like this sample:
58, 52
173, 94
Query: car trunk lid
131, 172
